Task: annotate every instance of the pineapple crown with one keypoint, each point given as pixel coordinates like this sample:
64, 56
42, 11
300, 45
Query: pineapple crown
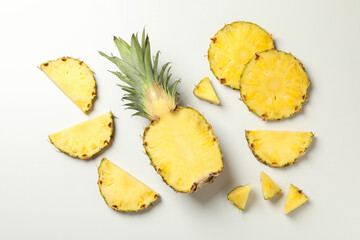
148, 92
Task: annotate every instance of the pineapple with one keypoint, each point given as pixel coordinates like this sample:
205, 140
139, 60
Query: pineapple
180, 143
278, 148
232, 47
74, 78
85, 139
205, 91
274, 85
269, 188
121, 191
239, 196
295, 198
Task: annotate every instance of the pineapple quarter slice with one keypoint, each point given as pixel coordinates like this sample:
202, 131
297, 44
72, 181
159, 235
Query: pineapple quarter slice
239, 195
85, 139
205, 91
121, 191
274, 85
74, 78
295, 198
269, 188
232, 47
278, 148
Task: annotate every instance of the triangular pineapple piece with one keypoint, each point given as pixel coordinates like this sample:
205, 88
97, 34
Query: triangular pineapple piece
295, 198
278, 148
121, 191
85, 139
239, 196
269, 188
205, 91
74, 78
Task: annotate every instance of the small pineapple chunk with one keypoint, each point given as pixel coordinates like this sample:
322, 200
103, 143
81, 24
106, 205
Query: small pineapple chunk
121, 191
74, 78
269, 188
85, 139
239, 195
295, 198
205, 91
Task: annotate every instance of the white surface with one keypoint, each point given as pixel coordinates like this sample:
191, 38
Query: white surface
48, 195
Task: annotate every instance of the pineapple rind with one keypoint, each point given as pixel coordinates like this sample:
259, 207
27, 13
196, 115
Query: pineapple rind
142, 207
290, 204
269, 163
209, 178
244, 190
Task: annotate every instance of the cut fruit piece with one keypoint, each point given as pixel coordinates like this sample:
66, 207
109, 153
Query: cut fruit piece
205, 91
274, 85
121, 191
232, 47
239, 196
85, 139
295, 198
278, 148
269, 188
74, 78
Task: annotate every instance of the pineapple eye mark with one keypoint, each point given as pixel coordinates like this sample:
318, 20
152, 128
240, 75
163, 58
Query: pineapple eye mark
213, 39
106, 142
84, 155
93, 93
89, 105
264, 116
115, 206
81, 62
142, 206
257, 56
252, 145
244, 97
222, 80
64, 59
145, 144
109, 124
214, 139
46, 64
303, 97
296, 108
300, 191
100, 182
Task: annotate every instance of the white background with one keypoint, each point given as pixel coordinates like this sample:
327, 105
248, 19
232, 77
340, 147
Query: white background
44, 194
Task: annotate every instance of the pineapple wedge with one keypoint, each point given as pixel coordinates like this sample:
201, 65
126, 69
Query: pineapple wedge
232, 47
278, 148
295, 198
274, 85
85, 139
74, 78
205, 91
121, 191
239, 195
269, 188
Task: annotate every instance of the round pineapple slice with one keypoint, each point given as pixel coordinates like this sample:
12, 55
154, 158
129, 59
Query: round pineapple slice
121, 191
85, 139
274, 85
232, 47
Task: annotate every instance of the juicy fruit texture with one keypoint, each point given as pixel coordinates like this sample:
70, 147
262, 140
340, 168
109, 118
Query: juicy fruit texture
232, 47
121, 191
205, 91
85, 139
278, 148
183, 149
239, 196
274, 85
74, 78
269, 188
295, 198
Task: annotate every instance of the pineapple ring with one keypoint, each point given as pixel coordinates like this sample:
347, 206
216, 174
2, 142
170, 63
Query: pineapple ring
232, 47
274, 85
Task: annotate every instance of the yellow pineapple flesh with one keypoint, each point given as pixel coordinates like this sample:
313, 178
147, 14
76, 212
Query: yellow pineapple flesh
121, 191
239, 196
274, 85
232, 47
74, 78
278, 148
85, 139
205, 91
269, 187
295, 198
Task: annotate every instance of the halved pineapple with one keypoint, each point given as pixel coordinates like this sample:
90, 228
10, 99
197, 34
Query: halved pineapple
295, 198
85, 139
205, 91
190, 153
274, 85
269, 188
239, 195
278, 148
232, 47
121, 191
74, 78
